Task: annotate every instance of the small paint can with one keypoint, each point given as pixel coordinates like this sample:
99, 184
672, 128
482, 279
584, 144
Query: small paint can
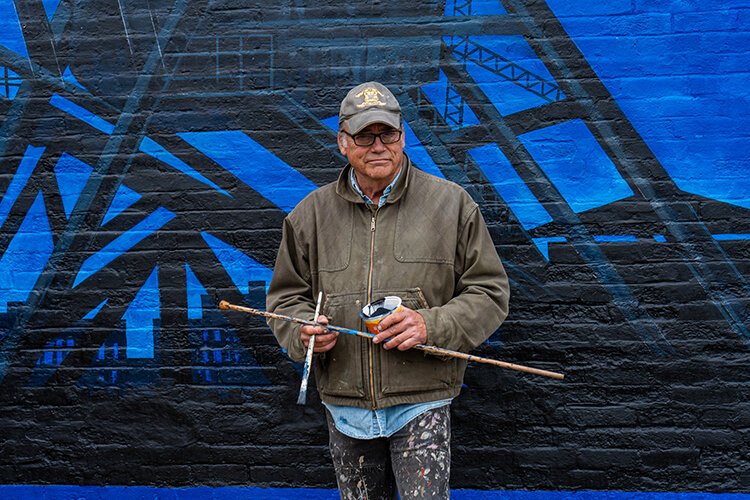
374, 312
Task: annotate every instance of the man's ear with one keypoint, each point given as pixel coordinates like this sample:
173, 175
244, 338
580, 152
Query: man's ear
343, 144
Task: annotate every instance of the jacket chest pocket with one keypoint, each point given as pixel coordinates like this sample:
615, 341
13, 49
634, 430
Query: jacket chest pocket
342, 372
333, 246
424, 237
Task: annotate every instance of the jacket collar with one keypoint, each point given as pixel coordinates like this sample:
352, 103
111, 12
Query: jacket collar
345, 190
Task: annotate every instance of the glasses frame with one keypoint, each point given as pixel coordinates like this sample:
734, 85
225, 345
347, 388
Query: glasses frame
375, 136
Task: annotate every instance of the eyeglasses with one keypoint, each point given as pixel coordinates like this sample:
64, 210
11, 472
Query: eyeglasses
368, 139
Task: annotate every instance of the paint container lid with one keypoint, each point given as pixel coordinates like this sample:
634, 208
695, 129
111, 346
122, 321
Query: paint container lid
381, 307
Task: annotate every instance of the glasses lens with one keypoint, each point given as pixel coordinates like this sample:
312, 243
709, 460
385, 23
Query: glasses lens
390, 137
364, 139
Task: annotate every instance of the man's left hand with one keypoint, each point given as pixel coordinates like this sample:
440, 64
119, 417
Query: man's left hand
405, 329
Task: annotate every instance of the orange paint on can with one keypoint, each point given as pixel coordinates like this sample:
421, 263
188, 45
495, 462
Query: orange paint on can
374, 312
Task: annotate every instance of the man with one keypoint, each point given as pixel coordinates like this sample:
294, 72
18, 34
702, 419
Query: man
387, 228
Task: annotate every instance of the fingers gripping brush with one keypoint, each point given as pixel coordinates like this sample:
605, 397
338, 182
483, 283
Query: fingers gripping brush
302, 398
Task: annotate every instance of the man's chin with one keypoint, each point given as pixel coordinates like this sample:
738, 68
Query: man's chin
380, 165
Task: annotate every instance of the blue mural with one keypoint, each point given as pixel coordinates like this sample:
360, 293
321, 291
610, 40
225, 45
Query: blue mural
140, 316
243, 269
123, 198
575, 163
148, 159
154, 149
26, 256
254, 165
498, 170
81, 113
123, 243
10, 29
72, 175
10, 83
20, 178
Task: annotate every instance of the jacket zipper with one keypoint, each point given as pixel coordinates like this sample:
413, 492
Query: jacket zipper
370, 348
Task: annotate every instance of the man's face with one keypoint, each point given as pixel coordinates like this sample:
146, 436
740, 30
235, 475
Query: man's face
377, 162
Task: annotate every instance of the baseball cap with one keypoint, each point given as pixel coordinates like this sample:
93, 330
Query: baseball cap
369, 103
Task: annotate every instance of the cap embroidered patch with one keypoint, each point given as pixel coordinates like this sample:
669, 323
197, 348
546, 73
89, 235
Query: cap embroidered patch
370, 97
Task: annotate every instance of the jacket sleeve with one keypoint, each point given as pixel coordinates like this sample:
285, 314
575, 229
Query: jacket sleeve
290, 292
480, 302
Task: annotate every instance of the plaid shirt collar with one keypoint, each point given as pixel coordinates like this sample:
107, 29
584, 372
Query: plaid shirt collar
386, 191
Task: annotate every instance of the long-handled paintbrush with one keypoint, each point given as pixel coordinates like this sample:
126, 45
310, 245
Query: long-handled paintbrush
437, 351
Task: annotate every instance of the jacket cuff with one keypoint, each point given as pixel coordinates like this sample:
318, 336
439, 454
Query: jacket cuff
435, 334
297, 350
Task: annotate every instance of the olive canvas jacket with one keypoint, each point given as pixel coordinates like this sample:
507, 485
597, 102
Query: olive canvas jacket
427, 244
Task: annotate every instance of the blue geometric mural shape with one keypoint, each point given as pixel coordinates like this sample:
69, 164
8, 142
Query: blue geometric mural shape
195, 290
123, 243
72, 175
331, 122
23, 173
58, 355
254, 165
515, 57
419, 154
577, 165
109, 357
10, 28
437, 92
102, 352
498, 170
474, 8
156, 150
414, 147
221, 359
124, 197
731, 237
139, 319
241, 268
543, 244
26, 256
615, 238
69, 77
50, 7
660, 238
516, 49
10, 82
81, 113
54, 355
92, 313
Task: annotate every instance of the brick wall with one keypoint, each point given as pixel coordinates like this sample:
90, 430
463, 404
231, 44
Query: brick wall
149, 152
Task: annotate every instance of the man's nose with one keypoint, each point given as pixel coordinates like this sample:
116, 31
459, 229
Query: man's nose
377, 145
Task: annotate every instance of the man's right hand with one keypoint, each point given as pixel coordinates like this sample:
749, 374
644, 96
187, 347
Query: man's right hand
324, 340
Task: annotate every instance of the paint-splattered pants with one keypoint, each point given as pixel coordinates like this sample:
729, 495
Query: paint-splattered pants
416, 460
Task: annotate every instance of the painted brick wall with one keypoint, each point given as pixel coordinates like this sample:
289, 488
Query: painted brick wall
149, 151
